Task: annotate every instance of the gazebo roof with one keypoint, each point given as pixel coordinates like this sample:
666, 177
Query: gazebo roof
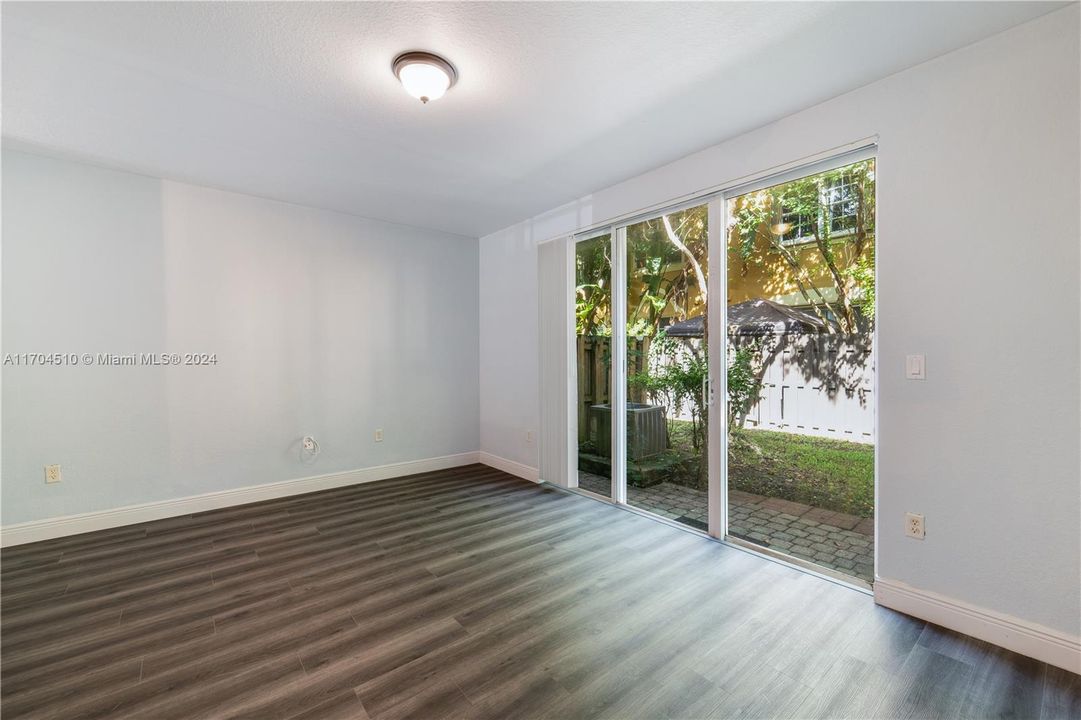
754, 317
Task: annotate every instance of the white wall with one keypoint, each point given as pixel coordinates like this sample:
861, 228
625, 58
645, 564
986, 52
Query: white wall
508, 320
323, 324
978, 185
509, 335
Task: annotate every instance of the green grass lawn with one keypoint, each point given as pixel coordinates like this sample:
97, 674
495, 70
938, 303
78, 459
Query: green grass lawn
825, 473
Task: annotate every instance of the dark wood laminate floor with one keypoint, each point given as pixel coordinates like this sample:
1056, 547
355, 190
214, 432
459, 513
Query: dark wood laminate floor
468, 594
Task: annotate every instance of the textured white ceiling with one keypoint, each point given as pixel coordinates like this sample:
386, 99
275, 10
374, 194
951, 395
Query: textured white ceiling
296, 101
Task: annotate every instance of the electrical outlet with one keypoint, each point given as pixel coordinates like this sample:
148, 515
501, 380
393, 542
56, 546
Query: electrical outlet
914, 526
52, 474
308, 443
529, 437
379, 435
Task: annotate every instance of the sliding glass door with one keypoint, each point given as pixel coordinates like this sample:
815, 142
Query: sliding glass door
593, 355
800, 356
645, 434
667, 366
725, 363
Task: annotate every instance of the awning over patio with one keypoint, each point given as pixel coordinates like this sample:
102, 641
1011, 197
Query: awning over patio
754, 317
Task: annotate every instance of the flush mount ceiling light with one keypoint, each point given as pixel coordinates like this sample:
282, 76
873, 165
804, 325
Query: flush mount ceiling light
423, 75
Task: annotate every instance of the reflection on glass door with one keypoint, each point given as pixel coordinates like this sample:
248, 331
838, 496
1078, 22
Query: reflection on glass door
593, 336
800, 379
667, 266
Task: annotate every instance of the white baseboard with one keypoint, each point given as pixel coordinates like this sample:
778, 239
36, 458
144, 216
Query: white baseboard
1027, 638
509, 466
129, 515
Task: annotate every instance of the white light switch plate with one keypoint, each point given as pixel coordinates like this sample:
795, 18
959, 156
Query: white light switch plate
915, 367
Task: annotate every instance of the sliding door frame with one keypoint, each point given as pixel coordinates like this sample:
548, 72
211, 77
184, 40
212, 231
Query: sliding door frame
717, 352
617, 395
617, 392
863, 151
717, 336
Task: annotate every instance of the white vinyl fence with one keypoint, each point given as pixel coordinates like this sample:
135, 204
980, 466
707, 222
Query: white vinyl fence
812, 384
818, 385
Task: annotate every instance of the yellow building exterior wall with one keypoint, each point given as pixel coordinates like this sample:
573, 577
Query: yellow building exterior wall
766, 274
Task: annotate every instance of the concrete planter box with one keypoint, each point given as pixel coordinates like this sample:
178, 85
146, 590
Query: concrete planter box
645, 430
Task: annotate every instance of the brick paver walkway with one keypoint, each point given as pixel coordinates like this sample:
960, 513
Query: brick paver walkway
835, 540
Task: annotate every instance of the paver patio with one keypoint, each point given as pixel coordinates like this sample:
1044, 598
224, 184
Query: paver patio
841, 542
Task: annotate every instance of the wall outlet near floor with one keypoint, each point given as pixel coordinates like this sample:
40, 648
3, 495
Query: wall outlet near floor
309, 444
52, 474
528, 437
379, 435
914, 526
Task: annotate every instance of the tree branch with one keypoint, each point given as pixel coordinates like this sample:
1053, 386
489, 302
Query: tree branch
674, 239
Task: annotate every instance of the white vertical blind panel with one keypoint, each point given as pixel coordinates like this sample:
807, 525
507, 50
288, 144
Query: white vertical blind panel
558, 370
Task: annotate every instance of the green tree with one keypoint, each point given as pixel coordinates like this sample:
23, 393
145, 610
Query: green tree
744, 384
593, 290
676, 379
666, 269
